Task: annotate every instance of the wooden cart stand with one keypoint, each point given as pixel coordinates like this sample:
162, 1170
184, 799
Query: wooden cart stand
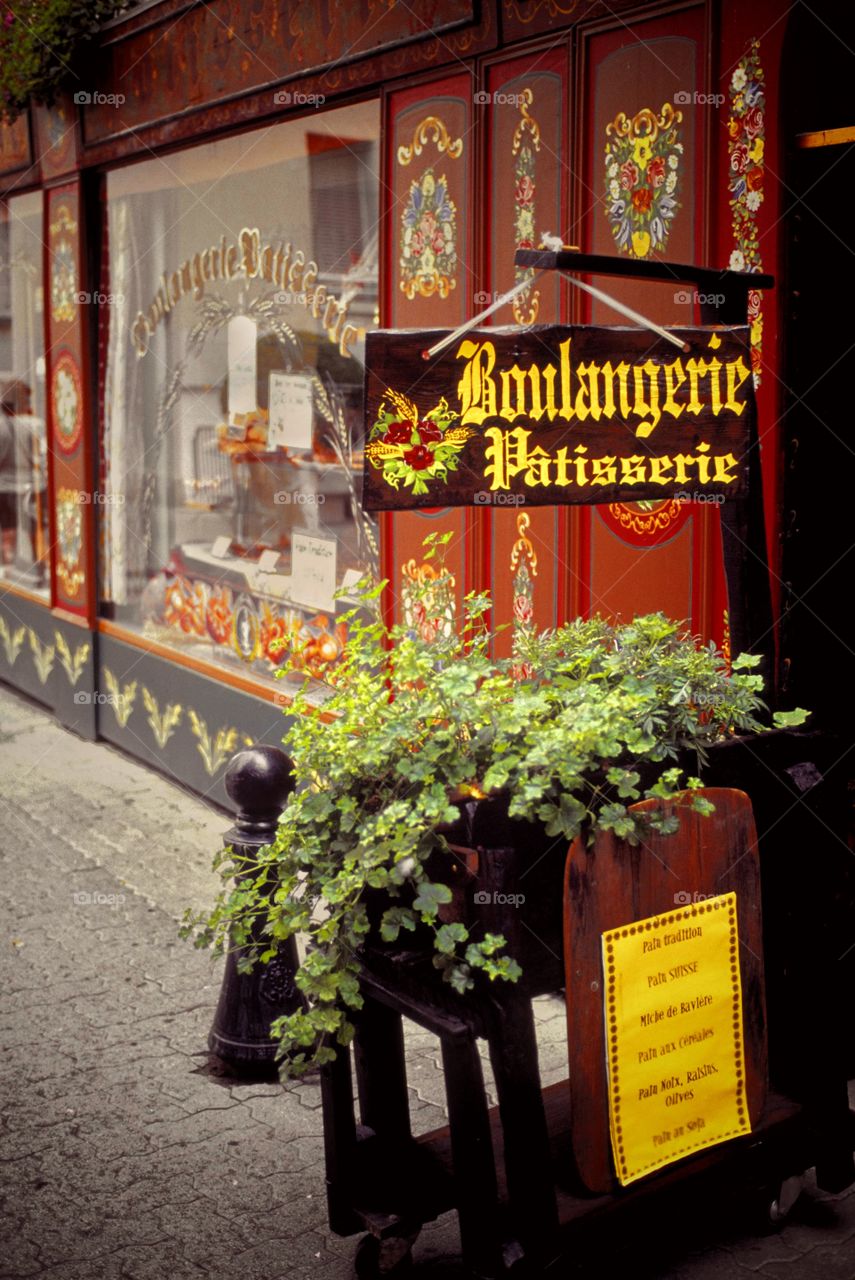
525, 1177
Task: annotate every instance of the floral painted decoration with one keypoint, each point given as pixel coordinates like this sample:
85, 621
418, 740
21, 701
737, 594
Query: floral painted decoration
642, 178
63, 271
524, 569
69, 536
67, 403
185, 606
428, 260
525, 305
413, 450
427, 600
746, 130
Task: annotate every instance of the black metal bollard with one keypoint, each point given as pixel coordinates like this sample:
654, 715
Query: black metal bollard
259, 780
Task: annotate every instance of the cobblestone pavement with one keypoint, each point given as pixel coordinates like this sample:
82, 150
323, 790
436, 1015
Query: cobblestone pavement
121, 1158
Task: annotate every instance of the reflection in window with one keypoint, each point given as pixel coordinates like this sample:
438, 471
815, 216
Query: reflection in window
24, 554
242, 277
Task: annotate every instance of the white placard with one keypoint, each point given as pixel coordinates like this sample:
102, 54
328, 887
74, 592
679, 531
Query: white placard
242, 339
267, 561
221, 546
313, 571
290, 411
351, 578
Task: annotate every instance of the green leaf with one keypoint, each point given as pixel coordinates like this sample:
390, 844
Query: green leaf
790, 719
430, 898
449, 935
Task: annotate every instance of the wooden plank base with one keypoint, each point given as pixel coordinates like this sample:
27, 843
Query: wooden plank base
417, 1181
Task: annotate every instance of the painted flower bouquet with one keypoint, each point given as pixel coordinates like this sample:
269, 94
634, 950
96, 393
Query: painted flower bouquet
642, 173
411, 449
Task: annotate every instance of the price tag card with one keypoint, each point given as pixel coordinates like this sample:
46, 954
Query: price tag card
673, 1007
221, 546
290, 410
313, 571
268, 560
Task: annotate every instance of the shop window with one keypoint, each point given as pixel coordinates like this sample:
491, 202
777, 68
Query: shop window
24, 556
242, 275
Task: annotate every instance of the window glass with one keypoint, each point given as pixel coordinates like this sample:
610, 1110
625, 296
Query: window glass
23, 440
242, 276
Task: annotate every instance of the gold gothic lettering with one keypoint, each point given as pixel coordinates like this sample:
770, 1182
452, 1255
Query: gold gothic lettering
281, 266
640, 395
510, 454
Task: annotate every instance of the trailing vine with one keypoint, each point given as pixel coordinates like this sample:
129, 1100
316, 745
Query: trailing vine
44, 46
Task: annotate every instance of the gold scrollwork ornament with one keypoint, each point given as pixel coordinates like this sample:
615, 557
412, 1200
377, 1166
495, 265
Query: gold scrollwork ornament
431, 129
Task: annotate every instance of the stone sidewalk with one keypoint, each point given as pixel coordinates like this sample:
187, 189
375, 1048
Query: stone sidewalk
122, 1158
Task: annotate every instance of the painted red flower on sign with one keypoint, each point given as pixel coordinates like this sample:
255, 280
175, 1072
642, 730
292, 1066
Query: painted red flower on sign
642, 198
656, 171
398, 433
754, 178
428, 432
628, 176
419, 458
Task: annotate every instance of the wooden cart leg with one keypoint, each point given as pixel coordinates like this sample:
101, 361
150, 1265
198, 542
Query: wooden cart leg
381, 1073
528, 1167
476, 1191
339, 1143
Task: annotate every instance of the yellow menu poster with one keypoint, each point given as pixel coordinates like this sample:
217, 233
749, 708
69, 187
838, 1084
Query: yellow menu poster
673, 1005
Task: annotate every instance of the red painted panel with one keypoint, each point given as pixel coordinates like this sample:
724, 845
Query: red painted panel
627, 580
57, 136
430, 283
643, 194
69, 418
524, 552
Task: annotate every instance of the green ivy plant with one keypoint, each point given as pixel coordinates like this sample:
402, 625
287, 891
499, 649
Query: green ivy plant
566, 729
43, 45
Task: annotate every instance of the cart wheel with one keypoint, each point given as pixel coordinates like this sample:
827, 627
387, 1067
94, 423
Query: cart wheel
386, 1259
785, 1195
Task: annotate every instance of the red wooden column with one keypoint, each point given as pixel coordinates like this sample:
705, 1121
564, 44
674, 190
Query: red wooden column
71, 425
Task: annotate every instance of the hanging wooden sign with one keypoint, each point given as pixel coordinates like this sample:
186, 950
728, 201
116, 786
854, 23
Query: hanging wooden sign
555, 415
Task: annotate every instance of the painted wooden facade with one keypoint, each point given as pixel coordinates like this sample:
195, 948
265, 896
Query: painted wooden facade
663, 130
